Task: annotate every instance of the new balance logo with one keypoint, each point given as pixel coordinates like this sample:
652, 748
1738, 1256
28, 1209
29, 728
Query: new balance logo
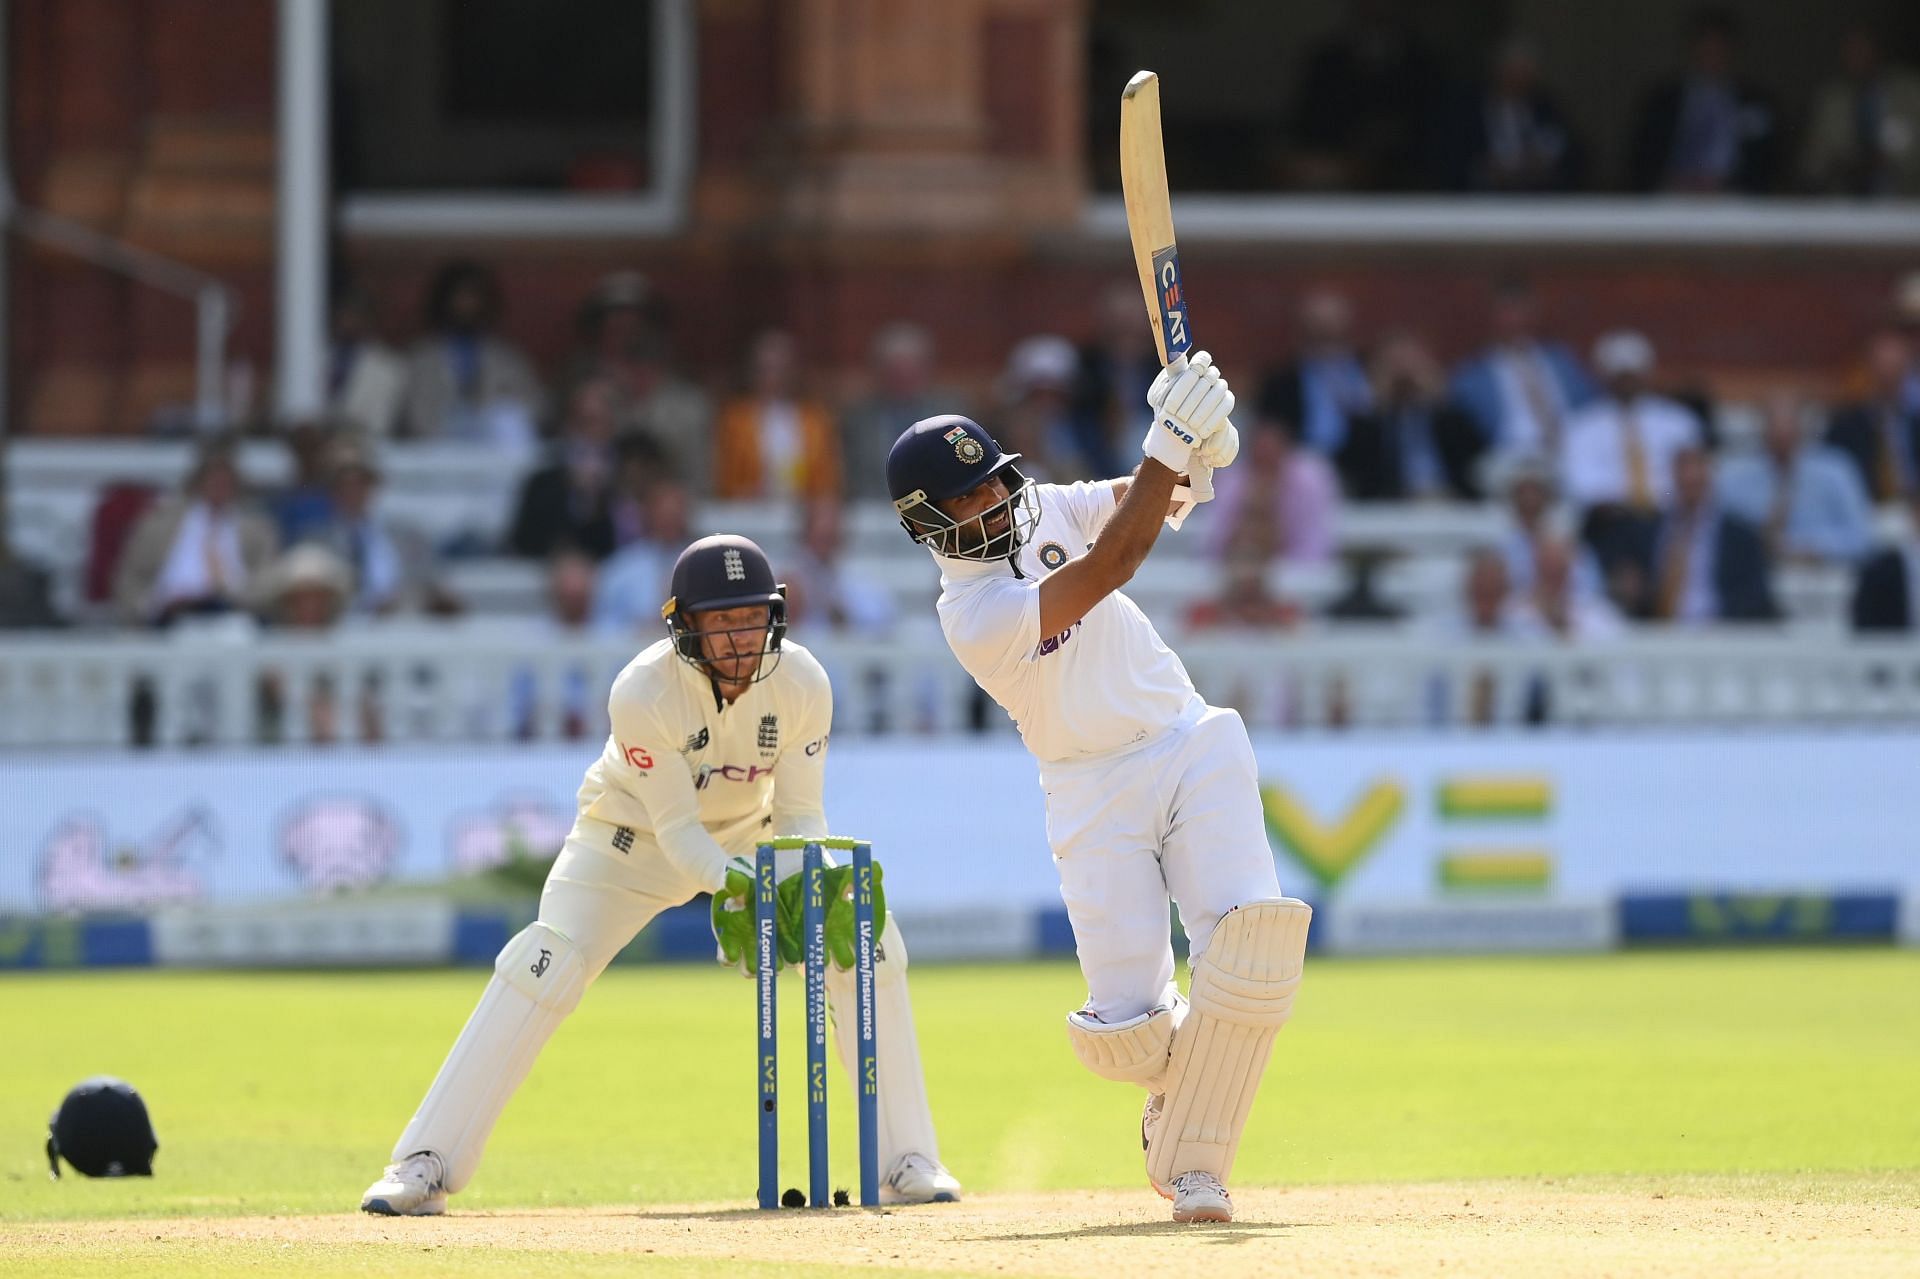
736, 571
623, 839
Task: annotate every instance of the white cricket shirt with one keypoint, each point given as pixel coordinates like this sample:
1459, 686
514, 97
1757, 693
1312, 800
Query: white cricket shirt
1105, 683
703, 779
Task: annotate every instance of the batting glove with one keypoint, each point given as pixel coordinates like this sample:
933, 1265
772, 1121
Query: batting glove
1190, 401
1197, 489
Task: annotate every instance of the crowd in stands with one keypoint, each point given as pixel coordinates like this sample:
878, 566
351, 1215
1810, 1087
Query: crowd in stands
1378, 109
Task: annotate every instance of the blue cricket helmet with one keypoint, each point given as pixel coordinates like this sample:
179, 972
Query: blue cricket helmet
941, 458
724, 571
102, 1129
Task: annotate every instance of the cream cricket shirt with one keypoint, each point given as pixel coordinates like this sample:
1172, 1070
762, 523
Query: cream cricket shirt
704, 779
1106, 682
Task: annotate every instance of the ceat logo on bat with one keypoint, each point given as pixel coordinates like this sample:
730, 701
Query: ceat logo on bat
637, 756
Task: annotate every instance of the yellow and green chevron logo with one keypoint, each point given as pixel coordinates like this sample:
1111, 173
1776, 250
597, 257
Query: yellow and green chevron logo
1329, 852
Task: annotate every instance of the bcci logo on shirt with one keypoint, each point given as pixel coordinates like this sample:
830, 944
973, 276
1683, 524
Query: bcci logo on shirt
965, 447
1052, 555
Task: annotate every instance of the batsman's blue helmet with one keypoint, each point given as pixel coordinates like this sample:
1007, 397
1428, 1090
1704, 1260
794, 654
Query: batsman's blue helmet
724, 571
102, 1129
941, 458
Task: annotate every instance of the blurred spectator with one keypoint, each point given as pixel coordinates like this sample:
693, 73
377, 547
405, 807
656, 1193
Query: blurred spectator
1886, 594
1881, 433
1620, 448
1036, 418
1510, 134
636, 580
561, 692
1805, 498
366, 378
1413, 443
1906, 322
639, 474
1367, 93
1326, 385
1110, 391
1487, 601
308, 589
305, 502
1361, 600
624, 337
565, 502
823, 592
1696, 564
390, 566
1864, 134
903, 393
465, 382
1557, 603
770, 443
1708, 132
1245, 601
199, 551
1489, 612
623, 312
1522, 388
26, 598
1284, 493
1536, 521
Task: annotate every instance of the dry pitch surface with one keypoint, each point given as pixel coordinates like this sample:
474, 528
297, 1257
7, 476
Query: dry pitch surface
1839, 1227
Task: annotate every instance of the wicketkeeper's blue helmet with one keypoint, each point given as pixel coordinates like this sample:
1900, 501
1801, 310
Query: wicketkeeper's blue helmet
724, 571
941, 458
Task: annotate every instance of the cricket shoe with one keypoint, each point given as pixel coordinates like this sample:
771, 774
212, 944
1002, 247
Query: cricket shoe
1150, 1120
916, 1179
1199, 1196
411, 1188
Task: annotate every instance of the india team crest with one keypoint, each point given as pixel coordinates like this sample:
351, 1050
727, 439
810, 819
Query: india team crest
1052, 555
965, 447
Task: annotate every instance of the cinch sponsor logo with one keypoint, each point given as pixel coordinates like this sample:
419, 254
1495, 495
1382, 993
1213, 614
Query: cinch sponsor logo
817, 745
730, 773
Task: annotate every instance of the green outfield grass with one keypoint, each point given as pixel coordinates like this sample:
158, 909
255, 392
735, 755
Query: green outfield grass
281, 1093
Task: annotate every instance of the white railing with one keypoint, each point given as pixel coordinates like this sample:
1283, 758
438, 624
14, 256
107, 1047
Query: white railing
465, 684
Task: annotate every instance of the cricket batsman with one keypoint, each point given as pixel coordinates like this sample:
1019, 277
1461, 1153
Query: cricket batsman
719, 739
1150, 792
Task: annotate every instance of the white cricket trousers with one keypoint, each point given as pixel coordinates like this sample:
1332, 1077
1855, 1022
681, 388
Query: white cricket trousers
598, 899
1177, 819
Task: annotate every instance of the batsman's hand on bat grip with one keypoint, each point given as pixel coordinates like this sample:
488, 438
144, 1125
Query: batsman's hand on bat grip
1191, 402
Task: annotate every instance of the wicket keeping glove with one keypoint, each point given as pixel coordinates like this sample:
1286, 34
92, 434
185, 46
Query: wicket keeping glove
733, 919
842, 937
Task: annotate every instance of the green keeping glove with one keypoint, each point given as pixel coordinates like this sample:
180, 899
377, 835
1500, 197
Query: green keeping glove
842, 941
733, 919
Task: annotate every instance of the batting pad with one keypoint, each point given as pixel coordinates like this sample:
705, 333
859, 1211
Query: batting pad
905, 1118
1242, 993
537, 980
1133, 1051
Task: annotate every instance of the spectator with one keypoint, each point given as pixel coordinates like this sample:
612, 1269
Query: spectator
621, 314
1708, 132
1886, 594
1696, 564
1110, 390
823, 592
624, 338
1620, 449
1367, 91
1906, 322
200, 551
1558, 603
1805, 498
565, 502
1413, 443
366, 378
556, 700
1522, 388
1326, 385
305, 503
26, 600
1881, 433
1037, 419
390, 566
1535, 521
308, 590
464, 382
636, 581
1284, 493
1864, 135
770, 443
639, 472
903, 393
1489, 612
1246, 601
1510, 134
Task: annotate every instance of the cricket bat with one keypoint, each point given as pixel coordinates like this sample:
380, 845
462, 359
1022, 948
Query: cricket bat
1143, 184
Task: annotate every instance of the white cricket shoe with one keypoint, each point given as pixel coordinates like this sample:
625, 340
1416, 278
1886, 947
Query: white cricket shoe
1149, 1120
916, 1179
411, 1188
1199, 1196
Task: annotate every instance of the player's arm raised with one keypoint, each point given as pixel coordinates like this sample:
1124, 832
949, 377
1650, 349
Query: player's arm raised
1190, 402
